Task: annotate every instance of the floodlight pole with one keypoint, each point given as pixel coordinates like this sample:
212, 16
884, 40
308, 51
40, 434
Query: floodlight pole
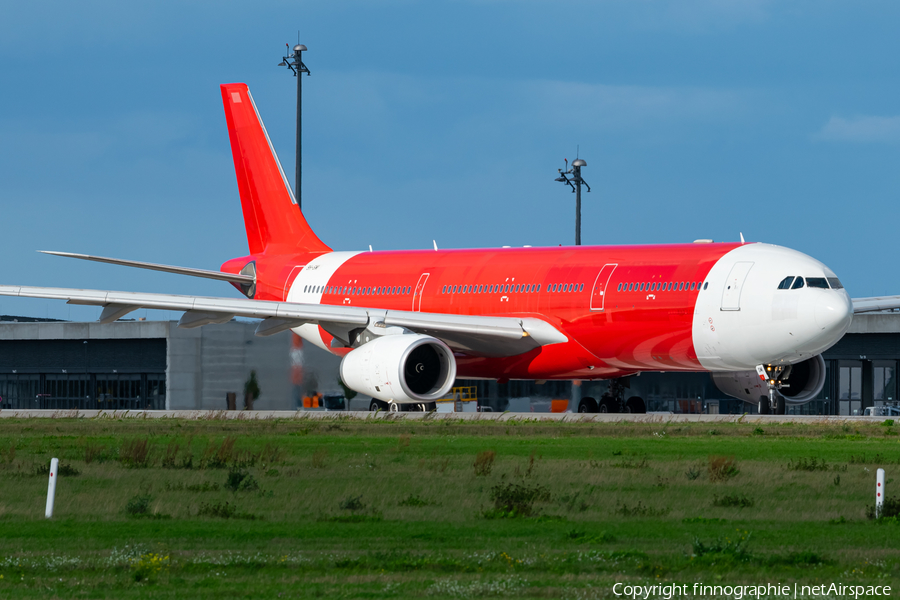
294, 62
575, 182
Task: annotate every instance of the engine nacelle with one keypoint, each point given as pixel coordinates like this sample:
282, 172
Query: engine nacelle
804, 383
401, 368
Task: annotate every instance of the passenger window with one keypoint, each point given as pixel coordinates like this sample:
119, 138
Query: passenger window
693, 284
705, 285
786, 283
817, 282
642, 288
798, 283
835, 283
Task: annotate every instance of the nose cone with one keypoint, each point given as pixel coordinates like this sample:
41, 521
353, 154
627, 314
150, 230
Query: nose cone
833, 312
825, 317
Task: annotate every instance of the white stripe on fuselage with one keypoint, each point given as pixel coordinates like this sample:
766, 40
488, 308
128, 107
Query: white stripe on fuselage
309, 285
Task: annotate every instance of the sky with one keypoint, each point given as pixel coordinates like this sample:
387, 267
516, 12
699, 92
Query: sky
447, 121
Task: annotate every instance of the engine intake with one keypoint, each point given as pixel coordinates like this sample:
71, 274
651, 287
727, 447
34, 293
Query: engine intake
805, 381
401, 368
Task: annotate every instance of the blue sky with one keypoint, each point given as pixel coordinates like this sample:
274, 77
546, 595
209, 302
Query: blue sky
447, 121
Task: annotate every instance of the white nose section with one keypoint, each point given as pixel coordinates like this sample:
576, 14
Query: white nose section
833, 313
764, 322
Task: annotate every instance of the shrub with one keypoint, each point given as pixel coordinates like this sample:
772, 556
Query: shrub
241, 481
734, 547
807, 464
270, 454
135, 453
639, 510
413, 500
484, 463
734, 500
515, 500
147, 566
890, 508
721, 468
692, 473
171, 454
96, 452
352, 503
63, 470
223, 510
139, 506
219, 456
862, 459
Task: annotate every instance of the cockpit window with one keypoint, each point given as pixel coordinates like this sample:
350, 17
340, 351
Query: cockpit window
786, 283
817, 282
798, 283
835, 283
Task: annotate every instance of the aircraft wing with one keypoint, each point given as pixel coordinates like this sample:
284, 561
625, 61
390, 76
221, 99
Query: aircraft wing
477, 335
864, 305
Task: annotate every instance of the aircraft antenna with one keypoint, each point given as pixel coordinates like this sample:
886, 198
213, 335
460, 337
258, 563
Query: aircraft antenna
294, 62
572, 178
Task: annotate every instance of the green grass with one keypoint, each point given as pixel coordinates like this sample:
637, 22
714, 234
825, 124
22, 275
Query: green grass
396, 509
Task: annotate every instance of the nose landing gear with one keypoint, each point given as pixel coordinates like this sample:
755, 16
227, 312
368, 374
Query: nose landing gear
775, 377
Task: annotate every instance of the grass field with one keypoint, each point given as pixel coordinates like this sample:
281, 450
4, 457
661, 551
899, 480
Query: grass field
437, 509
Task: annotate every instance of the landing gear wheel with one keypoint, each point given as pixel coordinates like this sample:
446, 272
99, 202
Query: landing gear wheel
608, 405
393, 407
763, 405
587, 405
377, 405
780, 405
636, 405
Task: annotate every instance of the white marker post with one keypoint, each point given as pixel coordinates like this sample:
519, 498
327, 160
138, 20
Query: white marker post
879, 492
51, 487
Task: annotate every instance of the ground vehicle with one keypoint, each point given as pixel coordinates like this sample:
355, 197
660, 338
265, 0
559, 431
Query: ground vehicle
885, 410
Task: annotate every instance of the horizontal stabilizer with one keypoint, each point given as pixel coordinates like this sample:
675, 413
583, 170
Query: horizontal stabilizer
233, 278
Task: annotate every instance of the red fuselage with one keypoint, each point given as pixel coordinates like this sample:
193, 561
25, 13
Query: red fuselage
633, 315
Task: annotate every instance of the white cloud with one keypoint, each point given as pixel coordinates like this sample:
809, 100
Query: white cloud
861, 129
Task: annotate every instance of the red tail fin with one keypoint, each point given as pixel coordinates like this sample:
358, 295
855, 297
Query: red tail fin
272, 218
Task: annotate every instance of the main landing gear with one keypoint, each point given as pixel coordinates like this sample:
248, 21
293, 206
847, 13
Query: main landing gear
613, 401
383, 406
775, 377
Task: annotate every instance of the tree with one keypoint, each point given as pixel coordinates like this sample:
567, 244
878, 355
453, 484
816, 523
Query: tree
251, 391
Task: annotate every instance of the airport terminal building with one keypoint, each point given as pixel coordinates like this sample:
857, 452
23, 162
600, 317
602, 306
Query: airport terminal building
156, 365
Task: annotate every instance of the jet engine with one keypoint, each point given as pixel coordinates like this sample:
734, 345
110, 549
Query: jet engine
400, 368
803, 383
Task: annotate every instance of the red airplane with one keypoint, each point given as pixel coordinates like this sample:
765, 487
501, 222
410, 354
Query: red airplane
407, 323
